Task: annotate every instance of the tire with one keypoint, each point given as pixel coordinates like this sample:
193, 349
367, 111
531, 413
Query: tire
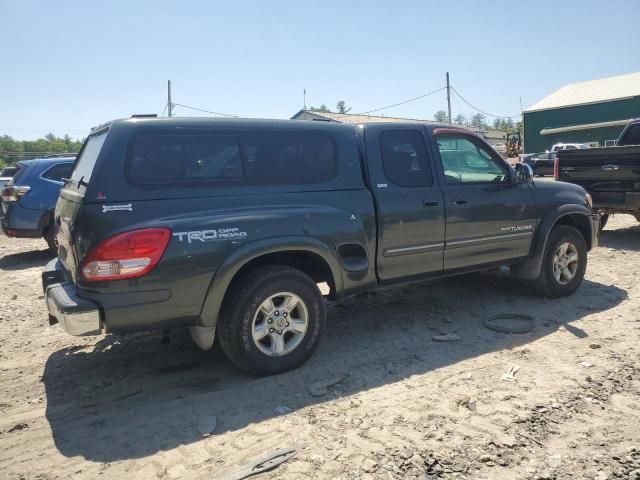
243, 320
603, 221
50, 237
548, 283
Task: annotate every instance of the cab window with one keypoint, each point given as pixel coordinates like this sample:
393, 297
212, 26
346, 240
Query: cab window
465, 161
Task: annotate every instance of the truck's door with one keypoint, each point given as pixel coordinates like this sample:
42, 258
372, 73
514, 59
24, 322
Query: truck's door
490, 218
409, 202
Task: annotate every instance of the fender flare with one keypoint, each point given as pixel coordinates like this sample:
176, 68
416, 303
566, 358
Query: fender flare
530, 269
228, 269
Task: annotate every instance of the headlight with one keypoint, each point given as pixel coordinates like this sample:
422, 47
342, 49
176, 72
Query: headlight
589, 200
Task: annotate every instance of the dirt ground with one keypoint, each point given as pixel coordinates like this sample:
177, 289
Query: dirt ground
408, 383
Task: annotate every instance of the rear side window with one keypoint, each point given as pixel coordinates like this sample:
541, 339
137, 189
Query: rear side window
161, 159
404, 158
58, 172
87, 159
289, 157
248, 157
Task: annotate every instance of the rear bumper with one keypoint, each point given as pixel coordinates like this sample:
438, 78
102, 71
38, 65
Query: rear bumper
17, 221
76, 315
82, 312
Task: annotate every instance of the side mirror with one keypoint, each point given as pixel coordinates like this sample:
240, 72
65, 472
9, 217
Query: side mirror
524, 173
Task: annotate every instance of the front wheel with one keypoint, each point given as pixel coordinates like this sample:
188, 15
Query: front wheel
564, 263
271, 320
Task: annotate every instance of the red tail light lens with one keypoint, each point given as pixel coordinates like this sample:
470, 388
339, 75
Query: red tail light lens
126, 255
556, 169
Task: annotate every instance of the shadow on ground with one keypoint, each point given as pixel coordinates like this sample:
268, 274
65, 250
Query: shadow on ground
24, 260
133, 396
621, 239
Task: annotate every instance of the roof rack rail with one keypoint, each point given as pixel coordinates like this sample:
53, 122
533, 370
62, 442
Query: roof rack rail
144, 115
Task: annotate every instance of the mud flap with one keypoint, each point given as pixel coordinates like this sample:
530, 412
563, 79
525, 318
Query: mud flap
203, 337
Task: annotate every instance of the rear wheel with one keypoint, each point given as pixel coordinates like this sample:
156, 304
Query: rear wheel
564, 263
271, 320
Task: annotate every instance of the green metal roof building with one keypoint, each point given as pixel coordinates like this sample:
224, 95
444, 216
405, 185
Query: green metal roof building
587, 112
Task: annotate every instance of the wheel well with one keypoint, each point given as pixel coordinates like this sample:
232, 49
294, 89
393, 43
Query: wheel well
310, 263
46, 220
580, 223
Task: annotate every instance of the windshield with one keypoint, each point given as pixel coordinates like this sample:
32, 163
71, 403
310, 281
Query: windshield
87, 159
631, 136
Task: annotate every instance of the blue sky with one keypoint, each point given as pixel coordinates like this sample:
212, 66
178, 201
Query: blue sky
70, 65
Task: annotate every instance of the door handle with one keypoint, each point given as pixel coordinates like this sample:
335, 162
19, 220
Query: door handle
460, 202
610, 168
431, 204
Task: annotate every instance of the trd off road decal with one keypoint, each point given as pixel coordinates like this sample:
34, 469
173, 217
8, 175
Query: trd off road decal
211, 235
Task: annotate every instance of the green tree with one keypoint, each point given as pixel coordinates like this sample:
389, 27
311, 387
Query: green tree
460, 120
508, 125
478, 121
322, 108
441, 116
341, 106
11, 149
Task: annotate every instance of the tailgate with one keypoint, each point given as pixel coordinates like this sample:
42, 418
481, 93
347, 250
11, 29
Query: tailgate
71, 202
615, 169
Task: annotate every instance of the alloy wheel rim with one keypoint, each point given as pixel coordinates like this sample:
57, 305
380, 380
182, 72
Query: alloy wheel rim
565, 263
279, 324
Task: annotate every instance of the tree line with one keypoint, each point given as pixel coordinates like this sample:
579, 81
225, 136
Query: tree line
479, 121
12, 149
341, 107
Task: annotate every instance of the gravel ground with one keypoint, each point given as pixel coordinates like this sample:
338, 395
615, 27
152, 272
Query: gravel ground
408, 384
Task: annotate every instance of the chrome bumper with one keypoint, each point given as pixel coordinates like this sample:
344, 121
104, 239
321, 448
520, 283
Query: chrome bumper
76, 315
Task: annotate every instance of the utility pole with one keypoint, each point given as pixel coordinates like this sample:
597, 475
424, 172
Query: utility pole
304, 99
449, 98
169, 104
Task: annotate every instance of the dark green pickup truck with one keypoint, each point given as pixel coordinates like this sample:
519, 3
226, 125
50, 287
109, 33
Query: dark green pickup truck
248, 228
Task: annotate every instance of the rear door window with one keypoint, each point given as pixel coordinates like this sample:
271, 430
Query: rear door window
58, 172
404, 158
87, 159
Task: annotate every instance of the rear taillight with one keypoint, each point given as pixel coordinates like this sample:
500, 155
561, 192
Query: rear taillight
13, 193
126, 255
556, 169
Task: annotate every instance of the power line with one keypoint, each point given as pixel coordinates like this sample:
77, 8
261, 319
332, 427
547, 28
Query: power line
402, 103
206, 111
482, 111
